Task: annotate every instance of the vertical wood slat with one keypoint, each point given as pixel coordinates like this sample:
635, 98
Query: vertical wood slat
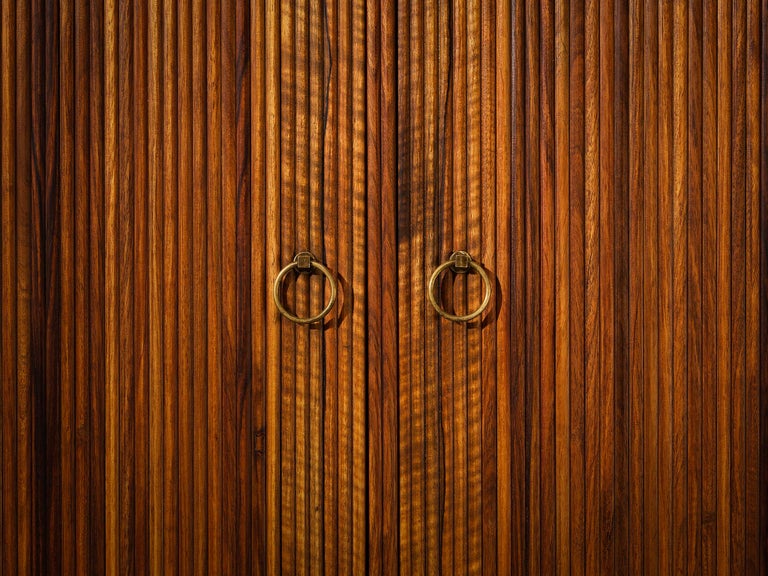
665, 281
125, 287
622, 270
317, 137
155, 308
140, 296
186, 291
344, 247
695, 292
214, 206
389, 294
68, 472
763, 520
753, 271
169, 290
29, 383
591, 286
576, 148
404, 288
650, 294
724, 287
111, 288
636, 287
504, 344
680, 289
473, 290
709, 285
8, 292
488, 254
429, 96
607, 246
82, 280
245, 426
420, 542
459, 232
375, 514
36, 211
519, 560
738, 287
199, 289
359, 349
301, 144
445, 333
97, 287
272, 27
532, 323
547, 384
330, 250
231, 406
562, 288
287, 371
256, 142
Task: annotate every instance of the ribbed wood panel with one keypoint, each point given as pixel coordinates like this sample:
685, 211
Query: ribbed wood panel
331, 389
129, 407
605, 162
601, 160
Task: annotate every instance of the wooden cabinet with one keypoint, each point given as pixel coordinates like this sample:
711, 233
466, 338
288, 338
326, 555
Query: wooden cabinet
604, 161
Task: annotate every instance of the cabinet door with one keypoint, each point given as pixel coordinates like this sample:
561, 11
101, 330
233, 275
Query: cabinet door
604, 162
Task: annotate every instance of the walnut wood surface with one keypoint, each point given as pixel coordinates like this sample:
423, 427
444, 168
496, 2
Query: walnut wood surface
605, 161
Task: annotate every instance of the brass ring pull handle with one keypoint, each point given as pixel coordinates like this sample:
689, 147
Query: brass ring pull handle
304, 262
461, 262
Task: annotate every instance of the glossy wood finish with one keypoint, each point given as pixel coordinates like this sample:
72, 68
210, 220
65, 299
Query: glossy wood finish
606, 162
617, 143
115, 433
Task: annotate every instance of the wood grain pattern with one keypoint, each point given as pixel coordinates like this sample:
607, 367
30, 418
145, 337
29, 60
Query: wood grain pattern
605, 162
186, 310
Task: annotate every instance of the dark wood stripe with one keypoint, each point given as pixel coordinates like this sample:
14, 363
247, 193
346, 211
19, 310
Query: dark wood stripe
186, 290
232, 404
24, 252
693, 77
764, 291
8, 286
591, 287
67, 151
199, 289
169, 279
214, 287
83, 503
622, 272
96, 296
636, 289
126, 288
752, 305
576, 147
141, 282
253, 115
245, 450
709, 293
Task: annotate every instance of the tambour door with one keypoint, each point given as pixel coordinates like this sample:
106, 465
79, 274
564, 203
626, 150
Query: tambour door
533, 237
606, 163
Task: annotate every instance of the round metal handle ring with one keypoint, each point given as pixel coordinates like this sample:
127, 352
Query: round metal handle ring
433, 282
295, 265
